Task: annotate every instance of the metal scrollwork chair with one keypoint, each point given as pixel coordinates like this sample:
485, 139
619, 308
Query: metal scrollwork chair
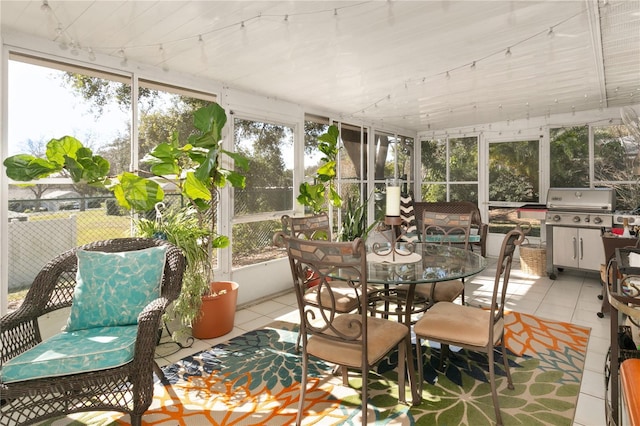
450, 229
472, 327
317, 227
356, 340
104, 360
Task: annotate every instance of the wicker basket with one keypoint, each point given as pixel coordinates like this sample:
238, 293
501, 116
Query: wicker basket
533, 259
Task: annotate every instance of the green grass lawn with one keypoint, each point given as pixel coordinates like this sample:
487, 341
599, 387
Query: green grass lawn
93, 224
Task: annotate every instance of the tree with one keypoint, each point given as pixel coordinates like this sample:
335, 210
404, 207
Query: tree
101, 91
569, 157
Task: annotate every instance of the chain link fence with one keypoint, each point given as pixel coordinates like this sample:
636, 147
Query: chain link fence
40, 229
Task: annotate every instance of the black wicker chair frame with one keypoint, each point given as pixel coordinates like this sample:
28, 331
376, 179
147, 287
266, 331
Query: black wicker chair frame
127, 389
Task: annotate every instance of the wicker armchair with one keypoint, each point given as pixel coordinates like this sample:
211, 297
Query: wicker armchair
127, 388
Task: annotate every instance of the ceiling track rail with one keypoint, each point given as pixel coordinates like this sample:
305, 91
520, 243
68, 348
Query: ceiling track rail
593, 15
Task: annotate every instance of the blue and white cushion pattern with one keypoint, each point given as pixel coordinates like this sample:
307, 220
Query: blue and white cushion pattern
74, 352
113, 288
408, 218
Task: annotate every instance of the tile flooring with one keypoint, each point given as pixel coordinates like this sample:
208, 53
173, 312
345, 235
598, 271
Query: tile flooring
572, 297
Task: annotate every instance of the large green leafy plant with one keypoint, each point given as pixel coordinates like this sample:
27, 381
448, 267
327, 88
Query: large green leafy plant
323, 192
194, 166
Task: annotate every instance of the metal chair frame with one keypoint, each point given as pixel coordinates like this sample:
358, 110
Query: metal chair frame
496, 317
334, 336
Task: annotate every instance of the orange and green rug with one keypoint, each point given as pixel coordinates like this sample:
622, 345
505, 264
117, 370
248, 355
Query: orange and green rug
254, 379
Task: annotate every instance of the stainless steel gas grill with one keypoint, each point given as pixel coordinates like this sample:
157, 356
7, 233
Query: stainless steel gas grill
574, 220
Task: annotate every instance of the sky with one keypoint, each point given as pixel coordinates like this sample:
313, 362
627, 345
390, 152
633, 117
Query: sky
41, 109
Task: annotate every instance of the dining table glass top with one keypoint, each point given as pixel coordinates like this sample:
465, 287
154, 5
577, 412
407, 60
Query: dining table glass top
417, 263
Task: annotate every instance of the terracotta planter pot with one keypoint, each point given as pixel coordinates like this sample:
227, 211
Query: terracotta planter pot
217, 312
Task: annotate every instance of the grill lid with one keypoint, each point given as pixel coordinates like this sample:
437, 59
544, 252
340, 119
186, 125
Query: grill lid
582, 199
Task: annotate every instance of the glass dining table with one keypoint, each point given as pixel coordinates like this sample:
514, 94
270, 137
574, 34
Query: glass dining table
394, 272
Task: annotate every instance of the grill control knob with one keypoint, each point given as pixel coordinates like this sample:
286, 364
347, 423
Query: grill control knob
556, 218
597, 220
587, 219
576, 219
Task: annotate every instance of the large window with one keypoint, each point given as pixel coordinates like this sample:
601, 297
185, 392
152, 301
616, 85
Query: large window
352, 166
449, 169
393, 158
615, 159
95, 107
269, 188
513, 180
617, 163
49, 218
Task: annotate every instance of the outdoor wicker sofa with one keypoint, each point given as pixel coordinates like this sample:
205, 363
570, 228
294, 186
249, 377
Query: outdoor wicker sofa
127, 388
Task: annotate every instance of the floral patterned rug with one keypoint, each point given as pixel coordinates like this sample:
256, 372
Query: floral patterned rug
253, 379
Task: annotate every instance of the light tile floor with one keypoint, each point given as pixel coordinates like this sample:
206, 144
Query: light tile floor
572, 297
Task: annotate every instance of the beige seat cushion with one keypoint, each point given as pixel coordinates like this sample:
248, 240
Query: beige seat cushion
446, 291
346, 299
383, 336
450, 322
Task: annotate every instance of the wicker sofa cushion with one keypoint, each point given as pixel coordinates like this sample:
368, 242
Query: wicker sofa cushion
74, 352
113, 288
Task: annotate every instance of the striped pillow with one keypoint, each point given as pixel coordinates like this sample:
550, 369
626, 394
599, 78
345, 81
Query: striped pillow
408, 218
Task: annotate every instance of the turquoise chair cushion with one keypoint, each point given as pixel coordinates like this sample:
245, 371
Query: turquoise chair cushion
74, 352
113, 288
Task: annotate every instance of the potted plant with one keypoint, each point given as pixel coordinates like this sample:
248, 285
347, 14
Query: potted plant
194, 167
354, 220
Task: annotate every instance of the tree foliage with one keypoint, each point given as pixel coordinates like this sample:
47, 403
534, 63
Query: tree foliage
569, 157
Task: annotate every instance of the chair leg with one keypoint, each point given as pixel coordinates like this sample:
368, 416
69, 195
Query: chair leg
494, 392
420, 364
298, 339
365, 392
402, 369
303, 388
505, 362
444, 354
136, 420
462, 295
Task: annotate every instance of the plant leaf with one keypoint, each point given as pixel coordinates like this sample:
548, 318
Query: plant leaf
137, 193
195, 189
25, 167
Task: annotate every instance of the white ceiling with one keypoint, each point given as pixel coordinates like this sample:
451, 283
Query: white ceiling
378, 60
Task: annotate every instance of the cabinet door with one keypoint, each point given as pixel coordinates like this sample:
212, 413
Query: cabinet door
590, 249
565, 247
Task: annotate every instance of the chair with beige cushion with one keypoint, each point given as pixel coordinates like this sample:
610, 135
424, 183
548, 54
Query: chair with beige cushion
317, 227
479, 230
450, 229
470, 327
349, 340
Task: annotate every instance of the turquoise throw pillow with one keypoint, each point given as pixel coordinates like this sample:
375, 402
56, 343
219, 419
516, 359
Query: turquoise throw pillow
113, 288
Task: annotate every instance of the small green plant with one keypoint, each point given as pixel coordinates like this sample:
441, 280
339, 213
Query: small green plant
181, 227
354, 220
323, 191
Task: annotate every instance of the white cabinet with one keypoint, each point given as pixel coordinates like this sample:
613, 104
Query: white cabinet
577, 248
